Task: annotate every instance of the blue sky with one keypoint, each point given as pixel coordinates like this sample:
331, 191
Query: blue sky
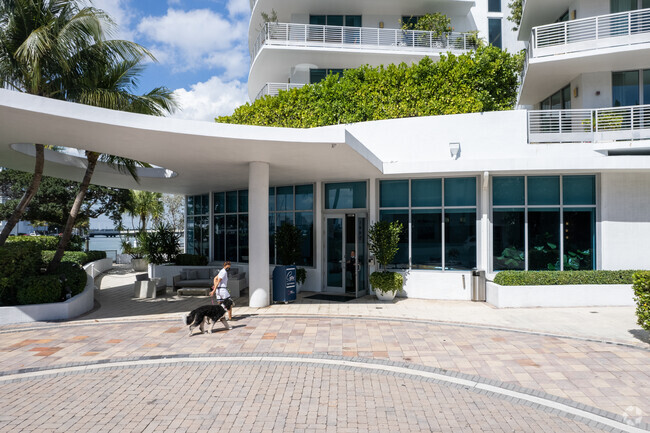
201, 47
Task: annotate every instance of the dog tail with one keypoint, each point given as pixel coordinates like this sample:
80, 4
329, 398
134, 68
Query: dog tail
187, 319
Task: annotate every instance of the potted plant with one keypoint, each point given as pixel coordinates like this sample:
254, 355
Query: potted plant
383, 243
138, 262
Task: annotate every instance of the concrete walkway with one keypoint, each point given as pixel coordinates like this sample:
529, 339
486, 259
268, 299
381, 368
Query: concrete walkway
358, 366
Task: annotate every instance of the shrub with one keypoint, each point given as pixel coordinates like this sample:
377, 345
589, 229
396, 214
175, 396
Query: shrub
78, 257
549, 278
162, 245
39, 289
41, 242
18, 261
641, 286
191, 260
386, 281
75, 277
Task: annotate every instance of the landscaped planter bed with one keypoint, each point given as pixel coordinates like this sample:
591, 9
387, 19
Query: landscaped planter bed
576, 295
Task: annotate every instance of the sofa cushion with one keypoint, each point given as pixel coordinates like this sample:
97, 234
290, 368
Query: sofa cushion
183, 275
233, 271
203, 274
214, 272
194, 283
192, 275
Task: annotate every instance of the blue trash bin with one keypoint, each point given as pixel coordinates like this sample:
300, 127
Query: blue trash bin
284, 284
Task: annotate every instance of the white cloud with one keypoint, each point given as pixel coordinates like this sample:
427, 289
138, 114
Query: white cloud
120, 12
209, 99
196, 39
237, 7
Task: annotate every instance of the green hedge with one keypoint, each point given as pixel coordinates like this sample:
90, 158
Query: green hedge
550, 278
78, 257
191, 260
44, 289
18, 261
48, 242
641, 288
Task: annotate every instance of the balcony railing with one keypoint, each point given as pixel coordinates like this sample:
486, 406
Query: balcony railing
625, 28
589, 125
311, 35
274, 88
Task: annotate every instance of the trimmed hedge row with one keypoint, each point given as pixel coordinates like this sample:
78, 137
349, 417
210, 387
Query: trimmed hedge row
18, 262
78, 257
69, 278
47, 242
641, 288
550, 278
191, 260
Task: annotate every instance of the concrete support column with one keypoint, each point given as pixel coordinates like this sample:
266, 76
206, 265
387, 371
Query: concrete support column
484, 235
258, 234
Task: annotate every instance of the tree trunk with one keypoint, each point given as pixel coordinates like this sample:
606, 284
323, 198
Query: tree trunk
74, 212
29, 194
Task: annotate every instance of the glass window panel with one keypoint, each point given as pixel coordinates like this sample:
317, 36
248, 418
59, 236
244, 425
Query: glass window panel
317, 75
508, 191
353, 20
189, 248
271, 242
556, 101
317, 20
394, 193
231, 237
622, 5
401, 259
190, 205
508, 234
543, 190
494, 6
460, 191
305, 223
335, 20
219, 238
345, 195
205, 204
426, 239
426, 192
546, 104
231, 201
566, 98
578, 190
243, 200
494, 31
219, 204
460, 239
271, 199
243, 238
203, 237
579, 239
544, 240
646, 85
625, 88
284, 198
284, 217
305, 197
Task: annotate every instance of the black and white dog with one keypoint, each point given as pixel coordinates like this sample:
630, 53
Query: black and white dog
209, 313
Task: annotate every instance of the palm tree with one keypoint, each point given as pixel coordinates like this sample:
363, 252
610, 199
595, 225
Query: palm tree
145, 204
45, 48
108, 83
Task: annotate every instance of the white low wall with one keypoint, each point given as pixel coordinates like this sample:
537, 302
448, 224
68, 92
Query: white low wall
98, 267
426, 284
579, 295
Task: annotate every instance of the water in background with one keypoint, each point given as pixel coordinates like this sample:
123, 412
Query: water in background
112, 246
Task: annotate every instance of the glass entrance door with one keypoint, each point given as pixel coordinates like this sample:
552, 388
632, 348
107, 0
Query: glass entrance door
345, 254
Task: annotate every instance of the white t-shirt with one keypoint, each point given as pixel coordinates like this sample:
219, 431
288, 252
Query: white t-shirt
222, 291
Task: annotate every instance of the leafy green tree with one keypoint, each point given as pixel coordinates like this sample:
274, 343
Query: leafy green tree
516, 8
482, 80
437, 23
55, 197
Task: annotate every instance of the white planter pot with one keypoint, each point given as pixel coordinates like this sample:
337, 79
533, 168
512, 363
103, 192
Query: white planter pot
385, 296
139, 265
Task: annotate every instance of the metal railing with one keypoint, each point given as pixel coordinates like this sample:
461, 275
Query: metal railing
312, 35
625, 28
274, 88
589, 125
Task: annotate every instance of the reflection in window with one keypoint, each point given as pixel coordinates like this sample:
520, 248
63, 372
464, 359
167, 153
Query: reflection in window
460, 239
293, 205
508, 243
426, 239
401, 259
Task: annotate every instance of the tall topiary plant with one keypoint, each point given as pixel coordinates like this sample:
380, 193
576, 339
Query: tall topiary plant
383, 243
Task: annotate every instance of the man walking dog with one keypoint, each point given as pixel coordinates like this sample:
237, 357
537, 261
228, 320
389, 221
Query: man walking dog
220, 287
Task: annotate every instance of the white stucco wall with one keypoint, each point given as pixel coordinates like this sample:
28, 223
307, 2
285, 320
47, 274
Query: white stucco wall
594, 90
589, 8
625, 220
423, 284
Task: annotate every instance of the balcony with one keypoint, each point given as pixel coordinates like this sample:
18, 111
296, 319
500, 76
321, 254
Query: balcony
273, 89
584, 125
605, 31
361, 38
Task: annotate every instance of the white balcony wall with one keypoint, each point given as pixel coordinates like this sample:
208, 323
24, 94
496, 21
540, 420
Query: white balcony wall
594, 90
625, 230
589, 8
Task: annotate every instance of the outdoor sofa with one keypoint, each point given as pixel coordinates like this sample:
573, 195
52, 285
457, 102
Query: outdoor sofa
203, 278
